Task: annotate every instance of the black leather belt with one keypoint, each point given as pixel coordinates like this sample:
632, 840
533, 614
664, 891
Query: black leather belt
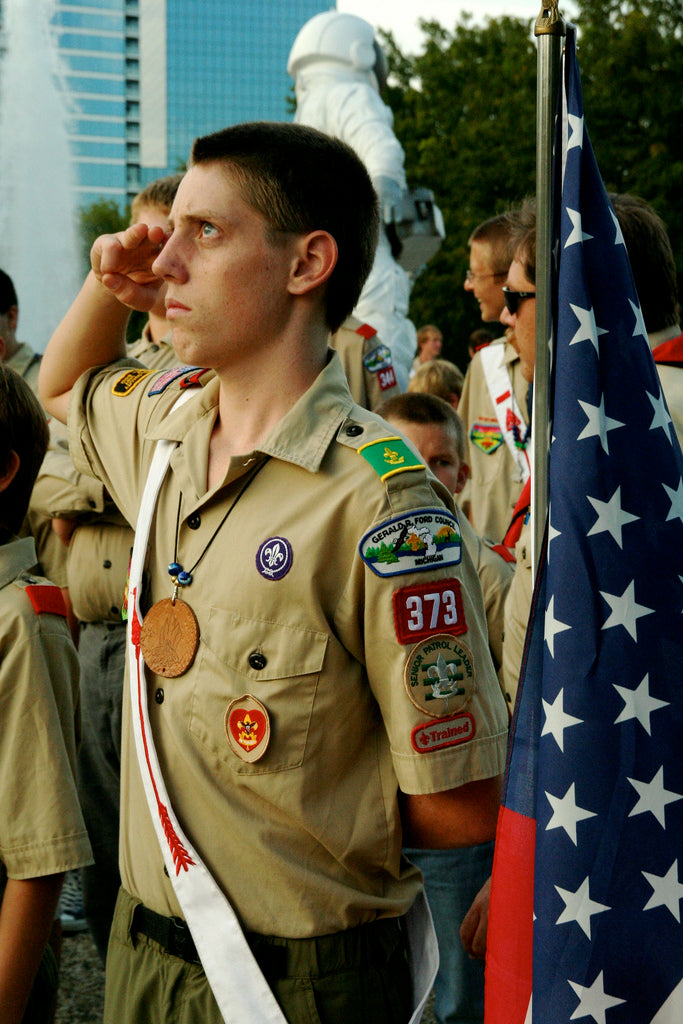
171, 933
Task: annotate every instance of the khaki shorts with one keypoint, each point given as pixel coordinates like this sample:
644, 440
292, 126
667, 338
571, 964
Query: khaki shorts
360, 976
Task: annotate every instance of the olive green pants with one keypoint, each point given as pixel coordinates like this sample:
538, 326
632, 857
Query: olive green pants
359, 976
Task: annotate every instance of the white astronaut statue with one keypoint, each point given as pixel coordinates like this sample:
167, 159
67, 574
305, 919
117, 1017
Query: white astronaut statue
338, 69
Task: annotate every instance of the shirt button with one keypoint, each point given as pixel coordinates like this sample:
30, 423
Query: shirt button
159, 696
354, 430
106, 564
194, 521
257, 660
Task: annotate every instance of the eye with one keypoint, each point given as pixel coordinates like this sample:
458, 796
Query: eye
207, 230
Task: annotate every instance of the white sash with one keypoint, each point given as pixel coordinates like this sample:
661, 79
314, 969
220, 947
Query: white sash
499, 384
241, 991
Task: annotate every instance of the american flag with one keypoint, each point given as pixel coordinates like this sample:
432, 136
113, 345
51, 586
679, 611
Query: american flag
585, 914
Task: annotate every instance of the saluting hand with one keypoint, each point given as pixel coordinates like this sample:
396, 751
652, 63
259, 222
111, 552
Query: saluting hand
123, 264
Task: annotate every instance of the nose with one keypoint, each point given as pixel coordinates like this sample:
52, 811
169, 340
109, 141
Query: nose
168, 264
506, 317
467, 284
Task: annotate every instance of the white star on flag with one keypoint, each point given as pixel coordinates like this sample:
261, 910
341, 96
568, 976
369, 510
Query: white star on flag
638, 704
567, 813
598, 424
576, 129
653, 797
619, 237
552, 532
667, 891
639, 327
594, 1000
661, 416
587, 329
611, 516
557, 720
579, 907
676, 498
576, 235
624, 610
553, 626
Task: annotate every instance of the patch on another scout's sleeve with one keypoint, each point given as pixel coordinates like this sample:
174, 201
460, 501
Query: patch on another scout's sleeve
444, 732
366, 331
130, 380
379, 361
426, 539
486, 435
390, 455
168, 376
439, 676
45, 597
428, 608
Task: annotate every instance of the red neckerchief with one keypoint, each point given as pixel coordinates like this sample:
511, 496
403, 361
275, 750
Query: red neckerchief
518, 516
670, 352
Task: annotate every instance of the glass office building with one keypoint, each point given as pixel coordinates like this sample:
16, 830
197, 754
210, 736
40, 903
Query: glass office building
145, 77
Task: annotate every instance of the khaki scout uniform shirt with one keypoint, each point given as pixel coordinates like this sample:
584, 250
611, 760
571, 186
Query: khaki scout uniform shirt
367, 363
41, 826
307, 840
517, 610
100, 546
495, 576
495, 482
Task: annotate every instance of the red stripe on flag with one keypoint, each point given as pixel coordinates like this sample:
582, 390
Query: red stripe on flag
509, 945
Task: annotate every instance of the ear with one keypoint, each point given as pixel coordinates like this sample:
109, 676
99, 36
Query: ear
463, 477
315, 258
10, 471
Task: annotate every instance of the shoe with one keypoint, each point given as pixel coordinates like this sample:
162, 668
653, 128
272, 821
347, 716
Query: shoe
70, 906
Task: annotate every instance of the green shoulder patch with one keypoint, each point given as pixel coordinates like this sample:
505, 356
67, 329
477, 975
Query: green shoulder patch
389, 456
129, 380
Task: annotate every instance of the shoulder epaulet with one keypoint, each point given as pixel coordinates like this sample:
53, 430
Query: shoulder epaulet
386, 453
46, 598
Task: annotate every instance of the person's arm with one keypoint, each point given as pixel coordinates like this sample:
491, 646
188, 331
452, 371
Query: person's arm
475, 923
465, 816
26, 916
93, 331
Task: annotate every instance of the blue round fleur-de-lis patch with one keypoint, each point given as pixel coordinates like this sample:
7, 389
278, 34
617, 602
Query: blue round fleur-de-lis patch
274, 558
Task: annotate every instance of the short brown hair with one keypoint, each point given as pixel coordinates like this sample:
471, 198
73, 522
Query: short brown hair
301, 180
438, 377
422, 334
423, 408
495, 232
523, 237
160, 193
23, 429
652, 261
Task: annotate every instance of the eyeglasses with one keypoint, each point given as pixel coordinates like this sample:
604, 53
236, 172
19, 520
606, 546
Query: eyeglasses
513, 299
471, 276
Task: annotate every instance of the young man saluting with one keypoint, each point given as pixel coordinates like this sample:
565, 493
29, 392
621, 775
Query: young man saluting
313, 635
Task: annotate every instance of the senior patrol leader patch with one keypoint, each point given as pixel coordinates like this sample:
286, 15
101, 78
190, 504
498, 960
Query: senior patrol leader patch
444, 732
439, 676
412, 542
129, 380
247, 726
422, 610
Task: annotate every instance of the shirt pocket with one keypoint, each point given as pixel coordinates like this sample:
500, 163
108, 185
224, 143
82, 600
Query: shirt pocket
279, 664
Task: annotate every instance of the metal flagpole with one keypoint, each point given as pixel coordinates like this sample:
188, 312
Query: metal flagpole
550, 29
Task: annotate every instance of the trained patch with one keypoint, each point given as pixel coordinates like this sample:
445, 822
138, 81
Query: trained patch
247, 726
428, 608
130, 380
168, 376
390, 455
486, 435
445, 732
427, 539
439, 676
274, 558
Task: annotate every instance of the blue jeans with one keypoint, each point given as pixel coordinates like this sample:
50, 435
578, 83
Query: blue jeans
452, 880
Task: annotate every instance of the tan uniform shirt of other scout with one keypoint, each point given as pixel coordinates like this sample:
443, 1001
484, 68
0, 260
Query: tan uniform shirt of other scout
495, 483
517, 611
41, 826
367, 363
307, 840
99, 550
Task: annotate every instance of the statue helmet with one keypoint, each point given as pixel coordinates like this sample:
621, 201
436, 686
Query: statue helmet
339, 38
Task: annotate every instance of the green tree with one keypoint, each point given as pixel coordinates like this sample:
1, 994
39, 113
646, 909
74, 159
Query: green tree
465, 112
102, 217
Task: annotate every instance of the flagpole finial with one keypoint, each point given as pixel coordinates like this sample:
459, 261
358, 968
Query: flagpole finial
549, 22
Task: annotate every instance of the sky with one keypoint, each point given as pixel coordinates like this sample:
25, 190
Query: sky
401, 16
